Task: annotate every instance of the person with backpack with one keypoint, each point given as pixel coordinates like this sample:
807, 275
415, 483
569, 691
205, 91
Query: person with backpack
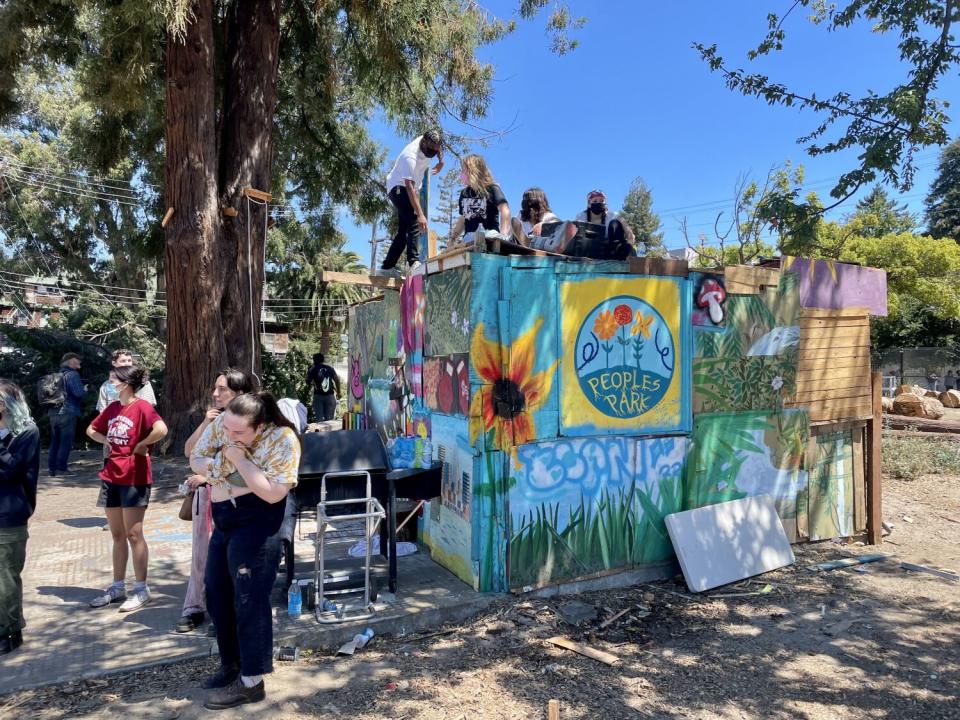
61, 394
19, 467
326, 388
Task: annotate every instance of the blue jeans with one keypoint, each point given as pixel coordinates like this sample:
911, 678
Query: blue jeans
63, 427
242, 566
324, 406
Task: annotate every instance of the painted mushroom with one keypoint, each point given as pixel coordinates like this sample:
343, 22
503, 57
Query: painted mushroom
711, 295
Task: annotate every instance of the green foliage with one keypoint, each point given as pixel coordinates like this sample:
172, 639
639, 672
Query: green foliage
447, 208
877, 215
284, 375
908, 458
887, 127
943, 199
637, 212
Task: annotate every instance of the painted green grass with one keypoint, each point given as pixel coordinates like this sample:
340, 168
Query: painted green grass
614, 531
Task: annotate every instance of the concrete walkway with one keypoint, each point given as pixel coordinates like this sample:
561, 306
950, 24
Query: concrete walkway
68, 562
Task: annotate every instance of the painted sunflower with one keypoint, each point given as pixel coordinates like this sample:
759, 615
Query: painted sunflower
506, 402
605, 326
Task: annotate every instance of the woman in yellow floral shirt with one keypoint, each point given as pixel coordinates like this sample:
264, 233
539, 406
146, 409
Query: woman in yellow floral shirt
250, 460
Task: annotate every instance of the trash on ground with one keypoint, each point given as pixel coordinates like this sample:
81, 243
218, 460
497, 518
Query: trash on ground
358, 641
360, 549
592, 653
576, 612
848, 562
288, 653
953, 577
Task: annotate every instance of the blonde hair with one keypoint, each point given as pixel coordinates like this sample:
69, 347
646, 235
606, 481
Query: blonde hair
478, 174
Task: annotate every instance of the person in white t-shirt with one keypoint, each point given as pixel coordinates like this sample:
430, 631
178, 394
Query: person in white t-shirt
108, 393
403, 189
534, 212
618, 232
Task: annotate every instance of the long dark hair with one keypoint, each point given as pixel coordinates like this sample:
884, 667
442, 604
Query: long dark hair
534, 196
134, 376
260, 408
240, 381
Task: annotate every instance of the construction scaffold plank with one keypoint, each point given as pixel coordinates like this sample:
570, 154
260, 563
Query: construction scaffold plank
356, 279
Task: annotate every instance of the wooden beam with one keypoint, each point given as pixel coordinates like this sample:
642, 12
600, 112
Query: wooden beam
553, 710
658, 266
874, 474
904, 422
166, 217
592, 653
257, 194
810, 312
352, 279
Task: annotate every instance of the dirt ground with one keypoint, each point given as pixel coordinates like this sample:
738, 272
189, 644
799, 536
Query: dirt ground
871, 642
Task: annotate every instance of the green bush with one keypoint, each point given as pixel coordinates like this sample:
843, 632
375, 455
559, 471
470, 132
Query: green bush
908, 458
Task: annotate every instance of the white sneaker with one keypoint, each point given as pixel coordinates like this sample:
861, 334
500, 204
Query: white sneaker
413, 268
112, 595
136, 600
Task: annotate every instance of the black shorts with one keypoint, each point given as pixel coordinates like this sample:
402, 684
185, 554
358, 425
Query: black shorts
123, 496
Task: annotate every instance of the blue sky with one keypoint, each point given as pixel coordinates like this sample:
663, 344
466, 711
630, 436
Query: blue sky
634, 99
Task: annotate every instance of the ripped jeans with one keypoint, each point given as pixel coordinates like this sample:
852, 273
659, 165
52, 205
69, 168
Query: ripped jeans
242, 566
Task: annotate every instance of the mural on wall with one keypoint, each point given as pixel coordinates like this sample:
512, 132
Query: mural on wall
447, 384
752, 363
622, 373
709, 297
834, 285
412, 309
579, 506
447, 309
738, 384
448, 537
764, 324
452, 448
737, 455
502, 410
830, 491
385, 411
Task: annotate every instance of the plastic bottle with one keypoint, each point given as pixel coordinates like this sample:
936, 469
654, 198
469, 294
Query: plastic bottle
294, 601
328, 606
363, 638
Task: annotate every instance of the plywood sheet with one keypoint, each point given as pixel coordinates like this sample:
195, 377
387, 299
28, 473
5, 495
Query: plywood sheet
747, 279
726, 542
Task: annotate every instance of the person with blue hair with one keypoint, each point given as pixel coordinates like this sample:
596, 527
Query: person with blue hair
19, 467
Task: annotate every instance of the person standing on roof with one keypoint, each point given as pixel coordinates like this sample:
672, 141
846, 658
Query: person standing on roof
403, 189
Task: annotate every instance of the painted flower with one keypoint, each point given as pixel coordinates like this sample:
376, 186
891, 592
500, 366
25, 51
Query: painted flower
453, 318
510, 395
776, 383
623, 314
605, 326
642, 325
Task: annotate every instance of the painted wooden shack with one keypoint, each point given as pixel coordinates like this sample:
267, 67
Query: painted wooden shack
576, 403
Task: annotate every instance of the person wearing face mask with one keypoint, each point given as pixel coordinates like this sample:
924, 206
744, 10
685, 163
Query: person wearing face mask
619, 234
19, 467
534, 212
250, 459
229, 383
481, 202
403, 189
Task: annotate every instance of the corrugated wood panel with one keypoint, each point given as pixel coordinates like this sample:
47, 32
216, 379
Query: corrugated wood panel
833, 366
747, 280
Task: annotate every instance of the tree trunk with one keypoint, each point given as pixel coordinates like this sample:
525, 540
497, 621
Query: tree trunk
246, 156
194, 265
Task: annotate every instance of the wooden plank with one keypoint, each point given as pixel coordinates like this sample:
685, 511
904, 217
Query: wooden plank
741, 289
658, 266
354, 279
834, 410
166, 217
861, 420
375, 298
859, 334
553, 710
829, 427
830, 394
844, 357
809, 312
751, 275
859, 486
592, 653
807, 344
260, 195
874, 467
230, 211
817, 323
858, 371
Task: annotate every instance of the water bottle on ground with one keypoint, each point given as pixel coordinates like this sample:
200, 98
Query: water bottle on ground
328, 606
363, 638
294, 601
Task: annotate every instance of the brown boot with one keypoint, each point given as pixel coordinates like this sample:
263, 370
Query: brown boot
235, 694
